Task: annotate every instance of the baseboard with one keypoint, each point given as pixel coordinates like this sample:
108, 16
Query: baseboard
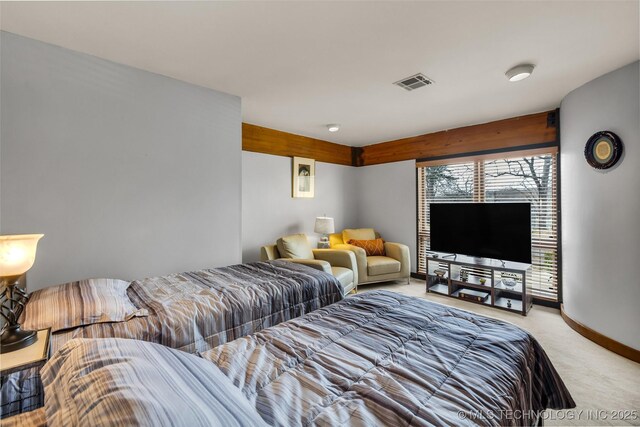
601, 340
546, 303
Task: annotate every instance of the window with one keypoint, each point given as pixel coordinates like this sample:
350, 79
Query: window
525, 177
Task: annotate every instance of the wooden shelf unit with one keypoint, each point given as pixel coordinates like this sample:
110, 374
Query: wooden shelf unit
517, 299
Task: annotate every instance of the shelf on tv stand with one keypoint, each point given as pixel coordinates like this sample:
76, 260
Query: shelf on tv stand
492, 270
479, 262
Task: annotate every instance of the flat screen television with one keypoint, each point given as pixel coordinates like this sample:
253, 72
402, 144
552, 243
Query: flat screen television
486, 230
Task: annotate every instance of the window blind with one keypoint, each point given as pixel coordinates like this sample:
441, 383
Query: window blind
453, 183
523, 178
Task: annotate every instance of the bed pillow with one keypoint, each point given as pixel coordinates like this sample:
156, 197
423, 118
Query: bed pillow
373, 247
113, 381
80, 303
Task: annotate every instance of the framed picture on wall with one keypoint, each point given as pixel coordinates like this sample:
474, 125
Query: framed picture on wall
303, 177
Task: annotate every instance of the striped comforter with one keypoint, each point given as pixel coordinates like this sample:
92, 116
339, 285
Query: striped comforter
122, 382
374, 359
381, 358
198, 310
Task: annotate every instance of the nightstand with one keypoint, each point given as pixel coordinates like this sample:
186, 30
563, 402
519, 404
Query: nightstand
20, 381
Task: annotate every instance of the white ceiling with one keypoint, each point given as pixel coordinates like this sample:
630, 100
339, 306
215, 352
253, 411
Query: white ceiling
301, 65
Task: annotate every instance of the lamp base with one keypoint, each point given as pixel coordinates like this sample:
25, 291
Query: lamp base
13, 338
323, 243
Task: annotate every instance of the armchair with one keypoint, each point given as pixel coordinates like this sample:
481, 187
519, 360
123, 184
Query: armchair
394, 265
296, 248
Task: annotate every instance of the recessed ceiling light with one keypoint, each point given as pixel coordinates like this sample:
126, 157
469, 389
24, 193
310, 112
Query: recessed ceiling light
519, 72
333, 127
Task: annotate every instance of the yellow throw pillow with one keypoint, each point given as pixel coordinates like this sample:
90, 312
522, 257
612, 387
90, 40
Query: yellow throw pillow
373, 247
358, 234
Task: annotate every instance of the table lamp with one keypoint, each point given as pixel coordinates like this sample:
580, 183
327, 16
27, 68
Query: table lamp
17, 254
324, 226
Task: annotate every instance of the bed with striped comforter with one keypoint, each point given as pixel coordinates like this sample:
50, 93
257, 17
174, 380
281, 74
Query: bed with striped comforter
374, 359
195, 311
385, 359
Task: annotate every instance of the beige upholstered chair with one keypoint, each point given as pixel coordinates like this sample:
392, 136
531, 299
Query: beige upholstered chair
296, 248
395, 265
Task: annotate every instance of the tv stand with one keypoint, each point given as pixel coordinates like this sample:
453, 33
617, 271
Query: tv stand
490, 282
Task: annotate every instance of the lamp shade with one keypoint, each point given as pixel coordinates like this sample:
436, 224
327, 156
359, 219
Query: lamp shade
324, 225
17, 253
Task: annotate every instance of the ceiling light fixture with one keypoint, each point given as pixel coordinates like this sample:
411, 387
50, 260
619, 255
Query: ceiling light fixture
519, 72
333, 127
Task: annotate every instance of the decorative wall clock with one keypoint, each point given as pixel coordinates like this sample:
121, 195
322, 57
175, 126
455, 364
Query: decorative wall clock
603, 150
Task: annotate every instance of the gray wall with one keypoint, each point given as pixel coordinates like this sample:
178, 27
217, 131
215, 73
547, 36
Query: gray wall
127, 173
382, 197
269, 211
601, 209
386, 201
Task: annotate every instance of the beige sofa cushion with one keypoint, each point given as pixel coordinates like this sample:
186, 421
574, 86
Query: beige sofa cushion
378, 265
358, 234
295, 246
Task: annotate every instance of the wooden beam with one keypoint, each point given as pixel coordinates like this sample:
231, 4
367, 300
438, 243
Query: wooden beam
270, 141
527, 130
523, 131
493, 155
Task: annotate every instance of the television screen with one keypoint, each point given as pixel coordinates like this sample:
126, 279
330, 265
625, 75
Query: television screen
486, 230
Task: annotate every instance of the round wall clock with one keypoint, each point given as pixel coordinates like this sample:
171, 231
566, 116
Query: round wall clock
603, 150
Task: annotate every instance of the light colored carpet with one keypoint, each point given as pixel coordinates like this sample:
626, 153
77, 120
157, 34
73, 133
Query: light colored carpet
601, 382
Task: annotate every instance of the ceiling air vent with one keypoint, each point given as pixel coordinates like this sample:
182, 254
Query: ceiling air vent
414, 82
